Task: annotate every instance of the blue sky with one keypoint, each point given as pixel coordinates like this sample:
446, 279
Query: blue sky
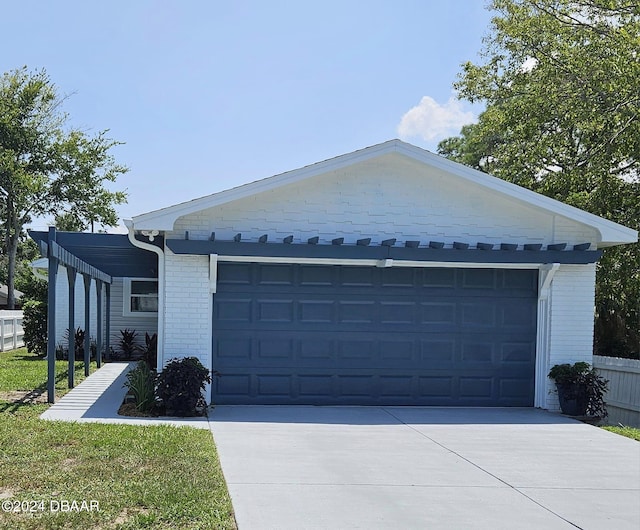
208, 95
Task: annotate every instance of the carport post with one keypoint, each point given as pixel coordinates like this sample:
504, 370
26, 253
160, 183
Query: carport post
87, 323
107, 322
71, 277
51, 320
98, 323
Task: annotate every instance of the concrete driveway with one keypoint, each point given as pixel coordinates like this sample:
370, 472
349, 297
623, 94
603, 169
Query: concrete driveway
424, 468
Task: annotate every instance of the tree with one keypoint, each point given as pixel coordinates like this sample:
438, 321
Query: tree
560, 82
47, 167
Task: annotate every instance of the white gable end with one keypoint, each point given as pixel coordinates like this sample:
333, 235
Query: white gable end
388, 161
391, 196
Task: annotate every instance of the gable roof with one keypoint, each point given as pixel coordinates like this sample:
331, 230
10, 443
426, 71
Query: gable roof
611, 233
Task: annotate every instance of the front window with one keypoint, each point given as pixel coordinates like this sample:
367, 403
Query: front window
140, 297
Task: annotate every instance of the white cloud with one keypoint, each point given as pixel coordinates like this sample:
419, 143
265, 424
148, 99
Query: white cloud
431, 121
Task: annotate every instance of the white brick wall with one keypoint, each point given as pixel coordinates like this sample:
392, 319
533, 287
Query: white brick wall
572, 312
187, 308
383, 199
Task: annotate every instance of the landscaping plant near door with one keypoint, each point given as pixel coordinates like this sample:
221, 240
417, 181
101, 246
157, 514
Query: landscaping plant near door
180, 386
580, 389
140, 382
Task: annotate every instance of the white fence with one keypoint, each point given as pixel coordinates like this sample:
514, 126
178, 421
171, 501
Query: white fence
623, 397
11, 332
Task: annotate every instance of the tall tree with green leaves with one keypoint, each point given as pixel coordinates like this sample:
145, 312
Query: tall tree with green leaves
560, 81
47, 167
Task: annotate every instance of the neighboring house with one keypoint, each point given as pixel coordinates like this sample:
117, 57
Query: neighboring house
389, 275
4, 293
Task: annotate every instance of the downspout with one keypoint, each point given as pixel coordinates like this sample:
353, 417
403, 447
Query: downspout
146, 246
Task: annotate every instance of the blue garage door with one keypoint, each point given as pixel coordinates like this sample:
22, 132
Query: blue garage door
339, 335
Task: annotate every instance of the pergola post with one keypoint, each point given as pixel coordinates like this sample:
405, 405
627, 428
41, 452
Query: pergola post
71, 277
51, 320
87, 323
99, 323
107, 323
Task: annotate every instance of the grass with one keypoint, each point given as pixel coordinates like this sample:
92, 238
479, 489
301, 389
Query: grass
629, 432
141, 477
23, 371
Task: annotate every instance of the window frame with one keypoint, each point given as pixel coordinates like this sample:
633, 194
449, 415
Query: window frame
127, 296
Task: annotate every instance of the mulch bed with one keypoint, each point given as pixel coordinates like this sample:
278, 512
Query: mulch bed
129, 409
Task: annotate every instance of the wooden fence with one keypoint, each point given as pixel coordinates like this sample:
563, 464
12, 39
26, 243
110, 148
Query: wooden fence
11, 332
623, 397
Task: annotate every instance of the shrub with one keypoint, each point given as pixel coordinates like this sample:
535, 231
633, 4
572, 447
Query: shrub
582, 382
140, 382
150, 350
179, 386
128, 344
62, 352
35, 327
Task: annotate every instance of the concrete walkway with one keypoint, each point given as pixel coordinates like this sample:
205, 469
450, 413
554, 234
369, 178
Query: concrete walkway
432, 468
98, 398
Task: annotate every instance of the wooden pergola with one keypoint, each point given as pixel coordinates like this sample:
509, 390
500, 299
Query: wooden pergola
58, 255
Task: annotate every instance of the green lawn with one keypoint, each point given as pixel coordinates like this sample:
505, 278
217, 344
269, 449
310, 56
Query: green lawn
629, 432
140, 477
20, 370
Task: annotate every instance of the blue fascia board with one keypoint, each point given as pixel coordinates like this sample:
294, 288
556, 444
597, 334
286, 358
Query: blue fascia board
283, 250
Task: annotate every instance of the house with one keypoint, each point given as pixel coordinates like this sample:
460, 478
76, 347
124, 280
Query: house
389, 275
4, 294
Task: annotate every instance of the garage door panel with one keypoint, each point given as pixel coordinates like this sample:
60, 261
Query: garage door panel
275, 349
357, 312
396, 386
279, 275
516, 315
274, 385
315, 387
356, 335
438, 352
398, 312
357, 277
238, 348
316, 276
479, 278
476, 353
394, 351
438, 278
516, 352
478, 314
436, 387
316, 311
235, 310
235, 274
398, 277
476, 387
270, 311
438, 313
516, 389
